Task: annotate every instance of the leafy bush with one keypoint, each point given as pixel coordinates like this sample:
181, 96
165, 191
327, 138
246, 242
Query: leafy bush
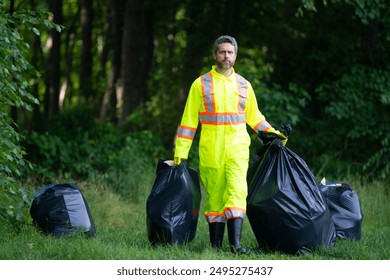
357, 107
13, 199
75, 147
14, 94
133, 166
14, 203
281, 105
71, 145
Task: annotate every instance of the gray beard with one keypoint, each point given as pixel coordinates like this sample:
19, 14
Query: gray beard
225, 66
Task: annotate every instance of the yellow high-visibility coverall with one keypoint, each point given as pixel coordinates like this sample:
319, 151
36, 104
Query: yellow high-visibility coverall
223, 106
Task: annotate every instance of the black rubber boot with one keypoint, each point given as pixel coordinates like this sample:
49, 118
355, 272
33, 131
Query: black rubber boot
217, 231
234, 231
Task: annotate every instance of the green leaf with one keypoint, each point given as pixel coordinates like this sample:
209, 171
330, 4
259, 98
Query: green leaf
36, 31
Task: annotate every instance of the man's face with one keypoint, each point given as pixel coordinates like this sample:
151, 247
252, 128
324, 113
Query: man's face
225, 56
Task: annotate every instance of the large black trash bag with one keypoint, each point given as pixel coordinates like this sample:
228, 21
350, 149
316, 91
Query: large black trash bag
61, 210
345, 207
285, 207
173, 204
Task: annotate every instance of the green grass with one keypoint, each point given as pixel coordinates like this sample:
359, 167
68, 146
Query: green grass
121, 234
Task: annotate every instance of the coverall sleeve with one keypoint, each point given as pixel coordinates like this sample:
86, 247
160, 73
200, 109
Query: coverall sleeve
189, 122
254, 118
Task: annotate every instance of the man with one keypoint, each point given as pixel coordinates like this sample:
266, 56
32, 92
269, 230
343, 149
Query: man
223, 102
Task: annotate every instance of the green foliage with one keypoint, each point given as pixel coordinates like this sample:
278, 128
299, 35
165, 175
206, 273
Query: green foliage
14, 83
70, 147
14, 203
132, 165
13, 199
367, 11
11, 154
74, 146
280, 105
161, 113
358, 106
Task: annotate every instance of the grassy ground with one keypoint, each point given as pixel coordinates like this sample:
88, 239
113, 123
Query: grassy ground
121, 234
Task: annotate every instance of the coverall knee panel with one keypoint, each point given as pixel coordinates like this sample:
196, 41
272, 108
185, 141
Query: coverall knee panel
236, 189
226, 186
214, 181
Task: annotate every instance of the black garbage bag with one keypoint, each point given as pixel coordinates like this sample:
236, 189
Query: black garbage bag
61, 210
173, 204
285, 207
345, 207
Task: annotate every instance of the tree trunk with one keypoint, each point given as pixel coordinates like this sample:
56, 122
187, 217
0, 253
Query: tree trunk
53, 65
135, 57
86, 20
113, 43
67, 89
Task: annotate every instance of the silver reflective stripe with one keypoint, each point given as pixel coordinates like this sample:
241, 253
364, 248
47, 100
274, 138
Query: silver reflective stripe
207, 85
242, 88
222, 118
263, 126
188, 133
234, 213
215, 219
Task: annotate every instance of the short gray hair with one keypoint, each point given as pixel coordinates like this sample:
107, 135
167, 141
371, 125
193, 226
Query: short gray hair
225, 39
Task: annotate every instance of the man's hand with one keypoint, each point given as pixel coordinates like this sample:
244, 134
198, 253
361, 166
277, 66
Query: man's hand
278, 134
177, 160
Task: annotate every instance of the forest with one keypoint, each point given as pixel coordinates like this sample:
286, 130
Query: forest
92, 88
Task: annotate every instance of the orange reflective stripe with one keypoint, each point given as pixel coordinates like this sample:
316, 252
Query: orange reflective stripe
262, 126
231, 213
242, 89
222, 118
207, 89
215, 218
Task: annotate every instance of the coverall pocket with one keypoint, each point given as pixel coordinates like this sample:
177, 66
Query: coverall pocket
209, 147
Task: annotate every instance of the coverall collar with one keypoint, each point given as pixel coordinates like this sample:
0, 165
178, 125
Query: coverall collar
216, 74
